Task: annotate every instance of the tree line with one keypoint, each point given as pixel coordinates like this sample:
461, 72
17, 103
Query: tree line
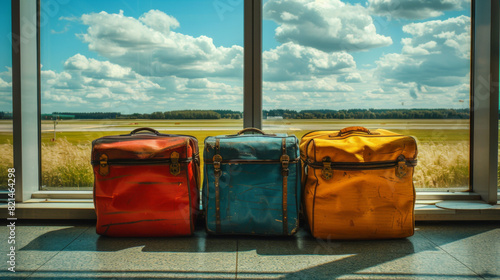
371, 114
281, 113
188, 115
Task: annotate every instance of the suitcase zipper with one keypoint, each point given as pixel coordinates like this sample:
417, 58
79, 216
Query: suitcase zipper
174, 163
139, 161
401, 165
333, 138
251, 161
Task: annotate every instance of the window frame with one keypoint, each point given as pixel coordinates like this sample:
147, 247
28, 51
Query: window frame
484, 100
25, 96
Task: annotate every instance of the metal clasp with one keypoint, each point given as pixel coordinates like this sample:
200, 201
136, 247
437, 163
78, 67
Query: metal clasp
103, 165
285, 160
326, 172
401, 168
217, 159
175, 167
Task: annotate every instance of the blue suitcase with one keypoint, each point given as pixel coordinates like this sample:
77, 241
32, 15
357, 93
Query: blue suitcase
251, 183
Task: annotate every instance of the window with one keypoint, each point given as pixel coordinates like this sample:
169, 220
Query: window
331, 81
109, 67
6, 140
394, 65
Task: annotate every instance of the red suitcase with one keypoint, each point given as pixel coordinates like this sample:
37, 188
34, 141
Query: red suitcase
146, 184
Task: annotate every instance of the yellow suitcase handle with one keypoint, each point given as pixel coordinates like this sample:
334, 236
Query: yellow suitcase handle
354, 129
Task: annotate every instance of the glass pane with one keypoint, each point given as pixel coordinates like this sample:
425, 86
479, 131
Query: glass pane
109, 67
6, 140
397, 65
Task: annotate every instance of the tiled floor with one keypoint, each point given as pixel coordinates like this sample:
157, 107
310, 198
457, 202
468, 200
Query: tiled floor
438, 250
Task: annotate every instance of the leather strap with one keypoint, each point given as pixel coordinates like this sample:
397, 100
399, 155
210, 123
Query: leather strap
217, 159
285, 160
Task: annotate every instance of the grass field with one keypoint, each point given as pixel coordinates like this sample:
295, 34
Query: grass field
443, 153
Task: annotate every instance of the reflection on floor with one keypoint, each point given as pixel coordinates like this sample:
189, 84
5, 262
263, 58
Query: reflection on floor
65, 250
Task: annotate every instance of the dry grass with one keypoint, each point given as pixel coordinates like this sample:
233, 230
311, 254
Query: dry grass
442, 165
6, 162
65, 164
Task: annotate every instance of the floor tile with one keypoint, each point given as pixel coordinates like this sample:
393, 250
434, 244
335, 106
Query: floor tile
16, 275
43, 238
135, 261
436, 251
36, 245
308, 246
476, 245
198, 243
473, 233
26, 262
132, 275
192, 257
421, 265
486, 266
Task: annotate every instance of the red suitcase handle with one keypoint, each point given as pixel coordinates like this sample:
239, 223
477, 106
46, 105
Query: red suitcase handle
144, 129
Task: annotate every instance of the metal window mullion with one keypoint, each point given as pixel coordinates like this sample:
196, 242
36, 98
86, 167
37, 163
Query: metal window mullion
25, 86
252, 80
484, 106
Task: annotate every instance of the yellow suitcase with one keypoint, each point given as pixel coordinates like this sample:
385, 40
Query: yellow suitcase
358, 184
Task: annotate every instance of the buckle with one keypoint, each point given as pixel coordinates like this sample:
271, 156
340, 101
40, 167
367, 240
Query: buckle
103, 165
326, 172
175, 167
401, 168
217, 160
285, 161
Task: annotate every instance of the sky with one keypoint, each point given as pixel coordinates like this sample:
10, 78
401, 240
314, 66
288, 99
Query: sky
5, 57
145, 56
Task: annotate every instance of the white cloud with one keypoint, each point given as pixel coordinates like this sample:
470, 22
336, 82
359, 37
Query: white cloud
6, 80
327, 84
464, 88
290, 61
223, 98
323, 92
325, 25
433, 64
89, 81
6, 90
64, 98
159, 21
91, 85
149, 46
453, 33
100, 69
204, 84
422, 49
415, 9
5, 86
353, 77
309, 99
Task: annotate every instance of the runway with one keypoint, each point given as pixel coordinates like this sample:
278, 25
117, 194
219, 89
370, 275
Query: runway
267, 125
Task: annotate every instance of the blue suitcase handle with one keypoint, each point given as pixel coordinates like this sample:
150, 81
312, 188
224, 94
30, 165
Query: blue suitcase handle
250, 129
